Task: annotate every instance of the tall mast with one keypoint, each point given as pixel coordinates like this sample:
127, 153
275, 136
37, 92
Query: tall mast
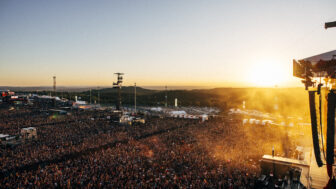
98, 95
135, 97
166, 103
90, 96
118, 86
54, 86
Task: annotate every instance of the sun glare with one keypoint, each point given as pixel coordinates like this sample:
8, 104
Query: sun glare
267, 74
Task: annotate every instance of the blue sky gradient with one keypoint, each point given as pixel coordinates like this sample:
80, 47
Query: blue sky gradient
204, 43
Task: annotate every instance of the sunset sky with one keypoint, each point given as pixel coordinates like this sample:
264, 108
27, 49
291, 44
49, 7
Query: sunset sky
181, 43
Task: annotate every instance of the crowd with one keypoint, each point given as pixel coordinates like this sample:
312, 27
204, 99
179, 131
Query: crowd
163, 153
67, 135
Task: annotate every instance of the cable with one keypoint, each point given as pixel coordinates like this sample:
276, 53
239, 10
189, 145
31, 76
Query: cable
331, 127
321, 128
314, 128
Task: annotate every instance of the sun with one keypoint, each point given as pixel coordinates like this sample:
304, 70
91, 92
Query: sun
266, 74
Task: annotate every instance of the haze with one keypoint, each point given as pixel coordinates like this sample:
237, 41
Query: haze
180, 43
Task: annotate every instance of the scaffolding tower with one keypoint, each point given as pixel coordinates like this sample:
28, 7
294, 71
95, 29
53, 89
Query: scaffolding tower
117, 85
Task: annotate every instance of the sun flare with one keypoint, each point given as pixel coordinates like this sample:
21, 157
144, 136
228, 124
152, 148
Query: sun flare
267, 74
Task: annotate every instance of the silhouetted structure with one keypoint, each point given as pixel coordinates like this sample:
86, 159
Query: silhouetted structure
166, 97
54, 87
135, 97
330, 25
118, 86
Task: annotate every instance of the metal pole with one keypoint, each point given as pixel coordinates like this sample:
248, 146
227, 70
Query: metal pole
135, 97
54, 78
119, 98
166, 104
98, 96
90, 96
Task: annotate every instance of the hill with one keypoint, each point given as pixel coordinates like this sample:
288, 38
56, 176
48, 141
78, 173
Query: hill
284, 101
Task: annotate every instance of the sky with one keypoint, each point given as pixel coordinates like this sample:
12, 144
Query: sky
156, 43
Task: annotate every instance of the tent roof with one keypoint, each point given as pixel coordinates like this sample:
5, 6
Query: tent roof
324, 56
3, 135
178, 112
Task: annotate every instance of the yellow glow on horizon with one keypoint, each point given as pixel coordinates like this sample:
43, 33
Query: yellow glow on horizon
267, 73
259, 72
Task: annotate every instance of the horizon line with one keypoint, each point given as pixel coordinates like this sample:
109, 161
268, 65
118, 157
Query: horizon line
146, 86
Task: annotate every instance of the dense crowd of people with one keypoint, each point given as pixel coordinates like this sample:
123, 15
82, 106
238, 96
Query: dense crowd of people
162, 153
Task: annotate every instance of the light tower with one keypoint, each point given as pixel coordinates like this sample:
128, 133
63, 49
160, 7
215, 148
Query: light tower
166, 97
118, 86
318, 74
98, 95
135, 97
90, 96
54, 78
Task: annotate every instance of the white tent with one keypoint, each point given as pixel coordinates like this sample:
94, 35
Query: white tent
204, 117
181, 113
3, 136
158, 109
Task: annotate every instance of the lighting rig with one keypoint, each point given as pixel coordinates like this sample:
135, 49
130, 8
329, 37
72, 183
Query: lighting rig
117, 85
318, 74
